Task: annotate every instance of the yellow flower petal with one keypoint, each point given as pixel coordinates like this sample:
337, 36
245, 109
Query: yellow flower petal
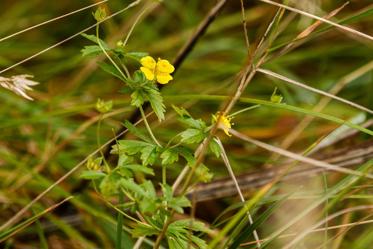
163, 78
148, 62
163, 66
224, 122
149, 74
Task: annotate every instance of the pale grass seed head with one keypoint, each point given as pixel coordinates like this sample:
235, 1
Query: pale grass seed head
18, 84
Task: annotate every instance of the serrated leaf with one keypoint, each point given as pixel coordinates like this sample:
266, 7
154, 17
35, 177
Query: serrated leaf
169, 156
156, 101
92, 175
191, 136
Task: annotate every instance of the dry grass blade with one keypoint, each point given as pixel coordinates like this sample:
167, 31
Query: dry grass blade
223, 154
342, 27
301, 36
32, 220
298, 157
133, 4
305, 86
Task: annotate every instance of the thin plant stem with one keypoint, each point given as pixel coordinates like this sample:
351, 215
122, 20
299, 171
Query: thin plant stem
164, 174
243, 110
223, 154
148, 127
107, 55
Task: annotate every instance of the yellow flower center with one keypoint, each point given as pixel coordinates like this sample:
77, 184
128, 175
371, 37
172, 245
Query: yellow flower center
157, 70
224, 122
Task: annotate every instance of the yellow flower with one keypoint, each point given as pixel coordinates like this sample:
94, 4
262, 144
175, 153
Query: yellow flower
224, 122
160, 70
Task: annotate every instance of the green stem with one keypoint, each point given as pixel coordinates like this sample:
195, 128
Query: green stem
148, 127
107, 55
244, 110
164, 174
118, 243
98, 140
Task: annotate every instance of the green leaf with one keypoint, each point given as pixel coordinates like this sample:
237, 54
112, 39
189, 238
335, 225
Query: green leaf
142, 229
92, 175
136, 55
138, 80
181, 111
135, 131
109, 68
187, 154
156, 101
129, 147
137, 168
148, 92
109, 185
137, 98
187, 119
191, 136
92, 50
133, 187
169, 156
215, 148
93, 38
149, 155
178, 203
203, 173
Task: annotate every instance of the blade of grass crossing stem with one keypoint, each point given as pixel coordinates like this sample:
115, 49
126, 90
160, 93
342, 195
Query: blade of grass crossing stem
118, 242
276, 105
238, 217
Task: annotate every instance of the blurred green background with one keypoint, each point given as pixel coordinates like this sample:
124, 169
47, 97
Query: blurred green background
41, 140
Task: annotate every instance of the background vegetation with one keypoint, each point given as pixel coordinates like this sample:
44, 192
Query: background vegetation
42, 140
